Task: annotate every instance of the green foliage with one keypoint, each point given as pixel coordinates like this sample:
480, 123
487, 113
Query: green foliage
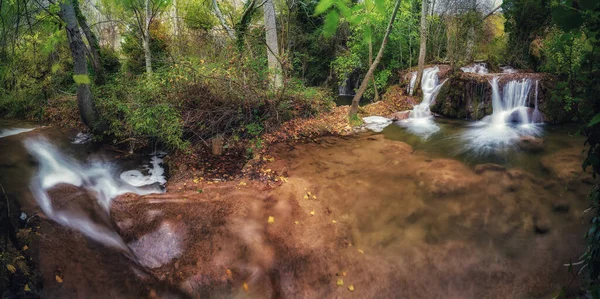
199, 16
526, 21
137, 111
133, 50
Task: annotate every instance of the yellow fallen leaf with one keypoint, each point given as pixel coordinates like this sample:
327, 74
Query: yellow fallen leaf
58, 279
361, 251
351, 288
271, 219
333, 221
309, 194
340, 282
25, 247
229, 274
305, 196
26, 288
314, 197
312, 213
297, 222
196, 181
11, 268
242, 183
245, 286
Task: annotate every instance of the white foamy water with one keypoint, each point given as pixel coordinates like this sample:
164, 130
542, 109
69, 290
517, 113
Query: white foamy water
15, 131
511, 119
82, 138
376, 123
420, 121
156, 174
98, 178
477, 68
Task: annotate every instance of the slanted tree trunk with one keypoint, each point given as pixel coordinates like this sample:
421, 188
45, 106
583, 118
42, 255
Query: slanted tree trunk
365, 81
92, 42
275, 71
217, 11
146, 40
373, 77
423, 47
87, 110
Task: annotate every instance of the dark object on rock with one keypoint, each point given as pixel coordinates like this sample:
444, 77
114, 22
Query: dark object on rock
217, 145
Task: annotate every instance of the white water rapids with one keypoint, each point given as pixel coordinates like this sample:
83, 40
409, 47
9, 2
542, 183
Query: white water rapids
98, 178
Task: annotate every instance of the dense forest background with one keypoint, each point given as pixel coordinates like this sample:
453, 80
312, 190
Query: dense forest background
214, 68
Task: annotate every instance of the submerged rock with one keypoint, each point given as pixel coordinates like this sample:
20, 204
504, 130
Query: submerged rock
541, 225
481, 168
531, 144
560, 206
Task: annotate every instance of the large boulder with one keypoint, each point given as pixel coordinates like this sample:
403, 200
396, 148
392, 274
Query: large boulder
400, 115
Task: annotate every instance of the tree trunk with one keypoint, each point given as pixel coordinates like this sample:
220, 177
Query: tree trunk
87, 110
275, 71
146, 40
423, 47
365, 81
92, 41
228, 29
376, 98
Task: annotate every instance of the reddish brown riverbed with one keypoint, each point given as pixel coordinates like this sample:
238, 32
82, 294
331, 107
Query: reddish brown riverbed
389, 222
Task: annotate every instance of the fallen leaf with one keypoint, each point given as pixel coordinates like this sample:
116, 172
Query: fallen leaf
11, 268
351, 288
242, 183
228, 272
361, 251
305, 196
271, 219
340, 282
25, 247
314, 197
245, 286
26, 288
333, 221
296, 222
58, 279
312, 213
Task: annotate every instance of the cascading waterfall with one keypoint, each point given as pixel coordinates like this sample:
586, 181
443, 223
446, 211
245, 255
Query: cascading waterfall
97, 179
510, 119
420, 121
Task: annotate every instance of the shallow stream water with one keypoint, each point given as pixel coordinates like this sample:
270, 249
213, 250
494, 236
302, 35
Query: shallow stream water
390, 214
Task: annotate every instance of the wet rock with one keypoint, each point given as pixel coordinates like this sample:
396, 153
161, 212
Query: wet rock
560, 206
481, 168
400, 115
531, 144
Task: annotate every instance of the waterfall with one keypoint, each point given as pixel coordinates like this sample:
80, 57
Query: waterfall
420, 121
511, 105
510, 120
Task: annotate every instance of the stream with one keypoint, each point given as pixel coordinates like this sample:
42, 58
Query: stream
390, 214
